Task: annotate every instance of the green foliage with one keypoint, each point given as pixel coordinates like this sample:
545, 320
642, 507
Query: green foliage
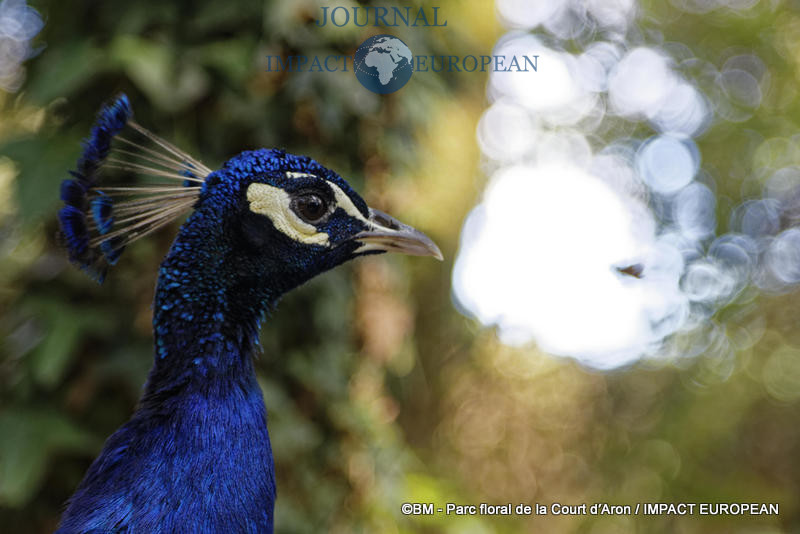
30, 438
40, 174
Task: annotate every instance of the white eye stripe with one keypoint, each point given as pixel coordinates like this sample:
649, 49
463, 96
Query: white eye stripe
344, 202
275, 203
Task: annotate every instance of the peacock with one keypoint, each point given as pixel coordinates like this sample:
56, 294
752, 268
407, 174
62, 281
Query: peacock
195, 456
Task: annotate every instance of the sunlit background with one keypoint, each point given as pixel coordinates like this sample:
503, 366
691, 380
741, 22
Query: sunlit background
616, 319
594, 167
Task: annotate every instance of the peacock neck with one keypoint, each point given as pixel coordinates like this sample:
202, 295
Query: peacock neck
196, 451
205, 314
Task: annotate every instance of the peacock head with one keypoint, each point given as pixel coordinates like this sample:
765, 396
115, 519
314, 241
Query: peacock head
263, 212
285, 213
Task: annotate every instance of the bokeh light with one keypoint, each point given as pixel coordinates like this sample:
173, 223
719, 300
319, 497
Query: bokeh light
596, 175
539, 257
19, 23
667, 164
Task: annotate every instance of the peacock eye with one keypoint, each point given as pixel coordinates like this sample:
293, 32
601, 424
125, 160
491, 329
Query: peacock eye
310, 207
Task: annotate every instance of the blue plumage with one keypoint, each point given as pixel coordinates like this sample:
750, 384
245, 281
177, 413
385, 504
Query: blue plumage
196, 456
111, 119
102, 207
73, 226
112, 250
75, 192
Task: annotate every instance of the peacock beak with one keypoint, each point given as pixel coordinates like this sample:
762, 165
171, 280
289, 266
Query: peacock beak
390, 235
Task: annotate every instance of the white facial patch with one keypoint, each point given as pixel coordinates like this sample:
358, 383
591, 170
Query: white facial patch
275, 203
344, 202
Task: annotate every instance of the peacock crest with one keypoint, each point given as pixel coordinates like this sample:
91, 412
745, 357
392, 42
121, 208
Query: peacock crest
103, 211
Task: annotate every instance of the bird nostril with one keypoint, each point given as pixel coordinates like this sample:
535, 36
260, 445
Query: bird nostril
384, 220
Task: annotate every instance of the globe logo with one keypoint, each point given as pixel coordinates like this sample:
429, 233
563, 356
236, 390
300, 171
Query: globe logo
383, 64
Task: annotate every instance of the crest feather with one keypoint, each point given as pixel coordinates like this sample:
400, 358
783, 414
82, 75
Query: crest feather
104, 208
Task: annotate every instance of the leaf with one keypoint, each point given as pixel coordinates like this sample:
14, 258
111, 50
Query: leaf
64, 332
43, 162
28, 438
227, 57
172, 83
61, 70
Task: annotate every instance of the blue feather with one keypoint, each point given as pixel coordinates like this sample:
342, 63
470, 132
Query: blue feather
94, 237
73, 225
189, 174
112, 249
75, 192
111, 119
102, 207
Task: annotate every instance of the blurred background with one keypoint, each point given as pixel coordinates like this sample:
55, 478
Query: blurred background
615, 320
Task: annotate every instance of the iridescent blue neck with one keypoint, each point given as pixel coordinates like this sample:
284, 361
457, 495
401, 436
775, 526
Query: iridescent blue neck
196, 451
206, 312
